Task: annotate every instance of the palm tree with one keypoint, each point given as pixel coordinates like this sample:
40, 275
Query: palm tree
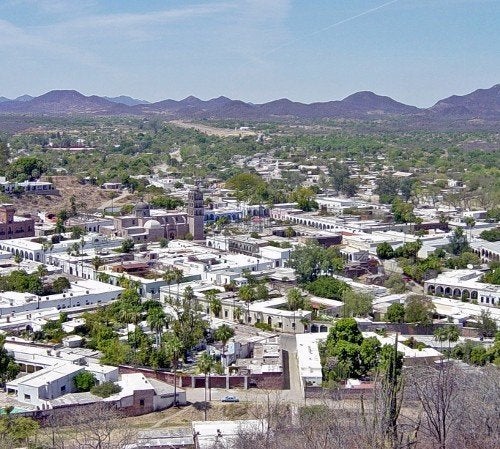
223, 334
214, 303
47, 246
247, 294
129, 315
178, 276
173, 350
448, 333
206, 365
97, 263
169, 277
42, 271
237, 312
157, 320
470, 222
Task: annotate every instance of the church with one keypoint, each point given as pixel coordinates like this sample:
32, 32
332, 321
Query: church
146, 225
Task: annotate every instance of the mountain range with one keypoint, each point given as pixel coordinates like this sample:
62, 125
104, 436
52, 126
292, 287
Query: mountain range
482, 104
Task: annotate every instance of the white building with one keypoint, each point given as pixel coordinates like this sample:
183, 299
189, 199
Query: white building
464, 284
81, 294
39, 387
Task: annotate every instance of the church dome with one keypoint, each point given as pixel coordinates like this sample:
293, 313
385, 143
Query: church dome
152, 224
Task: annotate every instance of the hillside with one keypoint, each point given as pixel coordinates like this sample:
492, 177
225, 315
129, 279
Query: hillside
89, 198
483, 104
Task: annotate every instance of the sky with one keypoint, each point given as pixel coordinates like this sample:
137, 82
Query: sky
415, 51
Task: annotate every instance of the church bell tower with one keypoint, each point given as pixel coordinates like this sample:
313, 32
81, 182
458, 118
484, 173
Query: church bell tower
196, 212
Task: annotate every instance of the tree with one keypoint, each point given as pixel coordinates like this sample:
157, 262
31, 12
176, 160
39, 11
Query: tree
458, 242
173, 350
448, 333
403, 212
304, 197
205, 365
395, 313
16, 431
295, 300
96, 263
95, 426
84, 381
418, 309
493, 276
247, 293
18, 258
215, 303
387, 189
395, 283
328, 287
385, 251
470, 222
223, 334
486, 325
8, 368
127, 246
178, 275
345, 329
246, 185
439, 394
42, 271
261, 292
61, 284
169, 277
157, 320
356, 304
311, 259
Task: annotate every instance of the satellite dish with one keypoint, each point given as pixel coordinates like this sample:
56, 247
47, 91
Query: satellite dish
470, 266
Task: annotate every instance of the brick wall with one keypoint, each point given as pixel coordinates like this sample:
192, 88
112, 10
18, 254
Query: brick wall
265, 380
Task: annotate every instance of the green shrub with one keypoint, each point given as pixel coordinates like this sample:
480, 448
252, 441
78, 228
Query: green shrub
106, 389
84, 381
264, 326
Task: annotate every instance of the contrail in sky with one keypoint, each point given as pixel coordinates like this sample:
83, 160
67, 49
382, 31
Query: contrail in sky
333, 25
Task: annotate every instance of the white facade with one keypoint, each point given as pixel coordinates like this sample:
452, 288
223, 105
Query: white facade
464, 284
41, 386
81, 294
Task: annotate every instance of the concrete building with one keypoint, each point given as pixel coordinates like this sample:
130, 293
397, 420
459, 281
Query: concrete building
12, 226
33, 187
82, 294
464, 284
39, 387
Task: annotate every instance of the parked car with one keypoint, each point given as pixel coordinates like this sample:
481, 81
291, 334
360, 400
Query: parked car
230, 399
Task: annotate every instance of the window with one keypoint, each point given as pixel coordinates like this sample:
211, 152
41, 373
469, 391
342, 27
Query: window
63, 389
141, 402
27, 397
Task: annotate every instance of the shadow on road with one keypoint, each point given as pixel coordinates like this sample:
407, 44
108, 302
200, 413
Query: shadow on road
286, 370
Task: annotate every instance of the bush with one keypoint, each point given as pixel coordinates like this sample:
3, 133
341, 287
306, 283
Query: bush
84, 381
106, 389
264, 327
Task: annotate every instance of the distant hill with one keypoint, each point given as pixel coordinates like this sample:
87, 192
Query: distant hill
129, 101
24, 98
2, 99
62, 102
481, 104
